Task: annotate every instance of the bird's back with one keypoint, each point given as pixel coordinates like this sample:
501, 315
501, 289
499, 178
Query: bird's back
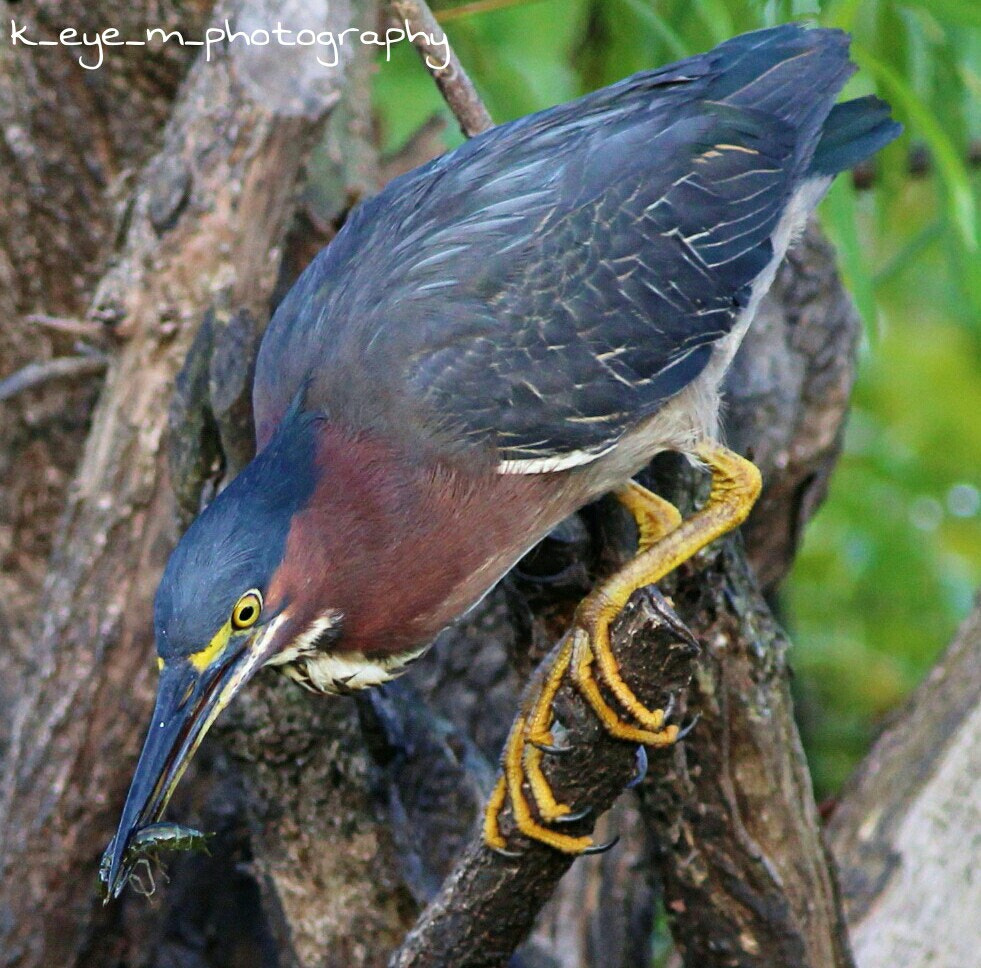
543, 288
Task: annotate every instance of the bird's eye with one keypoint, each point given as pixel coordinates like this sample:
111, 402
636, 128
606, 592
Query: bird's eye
246, 611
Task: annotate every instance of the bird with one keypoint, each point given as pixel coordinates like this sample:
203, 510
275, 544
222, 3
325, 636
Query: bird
497, 338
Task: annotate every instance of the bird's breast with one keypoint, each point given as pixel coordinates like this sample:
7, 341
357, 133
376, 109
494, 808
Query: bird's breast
396, 546
340, 674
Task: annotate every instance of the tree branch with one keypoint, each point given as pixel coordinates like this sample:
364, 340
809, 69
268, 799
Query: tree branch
60, 368
70, 327
487, 905
744, 869
735, 830
452, 80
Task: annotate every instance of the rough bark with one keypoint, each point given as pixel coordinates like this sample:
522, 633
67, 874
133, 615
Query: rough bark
322, 845
736, 833
203, 231
488, 903
70, 140
744, 870
905, 830
602, 913
70, 136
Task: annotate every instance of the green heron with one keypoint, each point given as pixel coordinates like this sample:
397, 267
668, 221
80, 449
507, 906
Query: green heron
494, 340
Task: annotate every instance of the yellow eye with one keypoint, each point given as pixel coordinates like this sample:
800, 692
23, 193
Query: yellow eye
246, 611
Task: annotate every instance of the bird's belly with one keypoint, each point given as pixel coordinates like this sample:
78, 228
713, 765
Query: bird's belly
693, 414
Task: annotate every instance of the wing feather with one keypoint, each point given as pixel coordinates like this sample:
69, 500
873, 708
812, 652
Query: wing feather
550, 283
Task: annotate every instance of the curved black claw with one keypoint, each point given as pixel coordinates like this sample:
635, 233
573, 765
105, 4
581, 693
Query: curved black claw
640, 771
602, 848
501, 852
669, 617
682, 733
553, 750
669, 708
573, 817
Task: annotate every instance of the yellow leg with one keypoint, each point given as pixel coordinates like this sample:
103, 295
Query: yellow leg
522, 761
735, 487
664, 542
654, 516
657, 734
656, 519
533, 727
492, 829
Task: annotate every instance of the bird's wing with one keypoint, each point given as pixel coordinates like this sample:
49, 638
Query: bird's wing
610, 300
549, 284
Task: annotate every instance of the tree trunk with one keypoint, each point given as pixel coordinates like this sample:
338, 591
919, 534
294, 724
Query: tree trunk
203, 231
69, 142
905, 830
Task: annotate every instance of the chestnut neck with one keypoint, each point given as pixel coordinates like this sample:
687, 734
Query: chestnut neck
401, 543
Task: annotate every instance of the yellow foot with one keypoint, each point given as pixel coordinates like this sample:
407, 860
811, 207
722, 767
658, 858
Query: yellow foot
523, 765
524, 784
664, 542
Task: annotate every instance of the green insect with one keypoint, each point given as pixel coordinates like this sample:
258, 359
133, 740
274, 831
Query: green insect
145, 846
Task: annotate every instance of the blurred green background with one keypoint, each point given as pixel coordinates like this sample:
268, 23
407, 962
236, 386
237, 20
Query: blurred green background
889, 565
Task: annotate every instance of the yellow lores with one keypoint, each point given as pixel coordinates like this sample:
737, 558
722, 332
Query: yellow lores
244, 615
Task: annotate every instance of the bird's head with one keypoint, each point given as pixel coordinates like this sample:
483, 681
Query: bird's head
226, 606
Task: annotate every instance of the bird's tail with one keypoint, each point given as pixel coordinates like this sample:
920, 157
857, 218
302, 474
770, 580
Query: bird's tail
853, 131
795, 73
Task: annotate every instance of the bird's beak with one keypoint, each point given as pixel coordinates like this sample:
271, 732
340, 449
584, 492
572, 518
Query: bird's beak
188, 702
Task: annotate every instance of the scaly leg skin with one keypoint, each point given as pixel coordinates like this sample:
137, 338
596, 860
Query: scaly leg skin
735, 487
532, 726
531, 731
664, 542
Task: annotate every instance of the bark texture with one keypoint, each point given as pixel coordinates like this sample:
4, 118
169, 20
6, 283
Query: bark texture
202, 232
488, 903
905, 831
70, 141
736, 833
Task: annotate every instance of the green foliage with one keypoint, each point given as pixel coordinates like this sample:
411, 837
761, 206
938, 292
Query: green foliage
889, 565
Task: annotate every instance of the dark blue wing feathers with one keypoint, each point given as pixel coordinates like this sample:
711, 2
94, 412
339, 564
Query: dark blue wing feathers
551, 282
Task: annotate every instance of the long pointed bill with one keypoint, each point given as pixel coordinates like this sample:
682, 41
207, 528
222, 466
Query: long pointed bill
188, 702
